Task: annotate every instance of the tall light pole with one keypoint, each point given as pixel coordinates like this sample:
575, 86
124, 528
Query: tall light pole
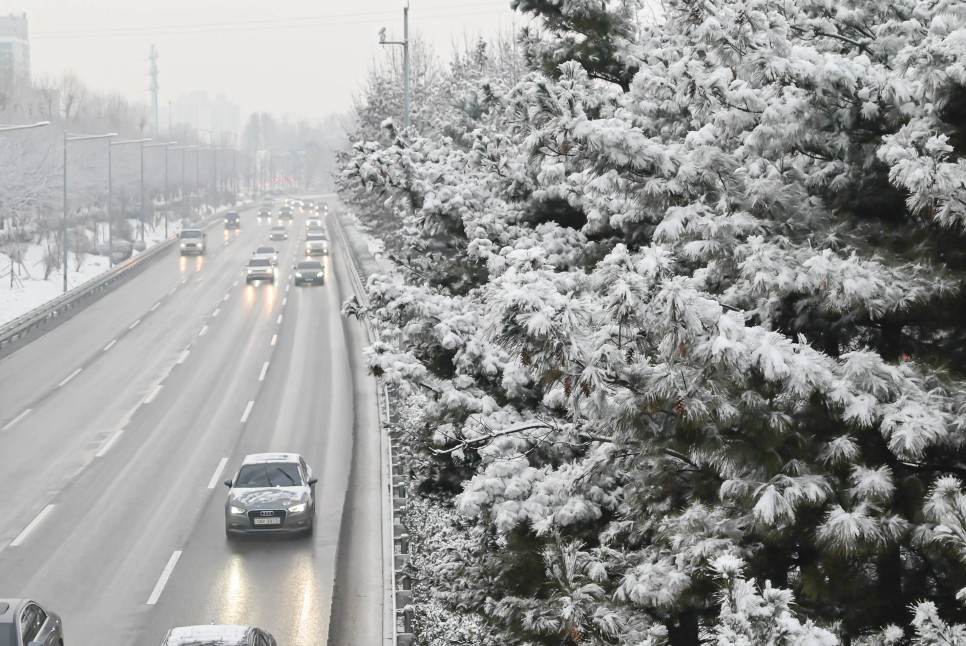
405, 45
184, 203
165, 144
110, 191
68, 137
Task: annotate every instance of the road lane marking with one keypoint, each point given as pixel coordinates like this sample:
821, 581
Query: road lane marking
226, 296
248, 410
165, 575
284, 301
184, 355
235, 284
135, 324
153, 394
274, 338
261, 377
69, 377
109, 345
33, 525
287, 287
17, 419
173, 290
107, 445
156, 306
215, 313
279, 319
214, 478
204, 330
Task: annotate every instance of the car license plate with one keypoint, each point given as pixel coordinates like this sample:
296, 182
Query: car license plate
268, 521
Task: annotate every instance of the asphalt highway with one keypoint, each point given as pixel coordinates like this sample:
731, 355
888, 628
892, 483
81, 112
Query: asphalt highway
118, 427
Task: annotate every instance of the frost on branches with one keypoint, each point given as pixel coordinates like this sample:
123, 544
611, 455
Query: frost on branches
685, 305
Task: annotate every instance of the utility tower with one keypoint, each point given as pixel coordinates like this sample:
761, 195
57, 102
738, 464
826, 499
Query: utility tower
153, 57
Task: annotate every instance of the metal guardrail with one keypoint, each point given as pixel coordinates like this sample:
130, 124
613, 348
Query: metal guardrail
397, 548
57, 308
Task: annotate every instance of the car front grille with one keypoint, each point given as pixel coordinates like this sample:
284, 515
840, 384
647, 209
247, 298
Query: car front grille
266, 513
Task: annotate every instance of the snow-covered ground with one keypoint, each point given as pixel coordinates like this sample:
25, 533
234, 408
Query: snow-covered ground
31, 290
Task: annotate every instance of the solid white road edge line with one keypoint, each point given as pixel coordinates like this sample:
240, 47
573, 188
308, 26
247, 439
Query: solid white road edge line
184, 355
274, 338
156, 306
165, 575
109, 345
33, 524
17, 419
69, 377
203, 331
135, 324
154, 393
248, 410
214, 478
261, 376
101, 452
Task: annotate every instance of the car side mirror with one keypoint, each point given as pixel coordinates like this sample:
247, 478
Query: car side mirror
312, 481
228, 483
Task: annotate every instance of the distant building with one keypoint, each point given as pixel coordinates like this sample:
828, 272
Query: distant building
14, 50
217, 121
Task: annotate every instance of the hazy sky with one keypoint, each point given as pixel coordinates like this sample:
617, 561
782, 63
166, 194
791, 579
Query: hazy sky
305, 58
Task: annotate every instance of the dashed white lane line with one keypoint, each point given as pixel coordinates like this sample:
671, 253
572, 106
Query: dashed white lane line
274, 338
184, 355
204, 331
135, 324
17, 419
32, 526
215, 313
153, 394
235, 284
287, 287
107, 445
109, 345
214, 478
173, 290
248, 410
279, 319
261, 377
156, 306
69, 377
226, 296
284, 301
165, 575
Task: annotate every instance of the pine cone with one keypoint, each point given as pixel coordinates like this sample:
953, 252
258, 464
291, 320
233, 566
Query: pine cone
377, 371
576, 634
525, 357
679, 406
568, 387
629, 355
585, 388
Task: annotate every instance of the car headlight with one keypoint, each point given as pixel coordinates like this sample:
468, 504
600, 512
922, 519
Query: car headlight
297, 509
238, 511
183, 244
298, 274
319, 275
250, 270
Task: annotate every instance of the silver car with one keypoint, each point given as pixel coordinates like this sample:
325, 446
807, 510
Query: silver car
271, 493
260, 268
218, 636
25, 623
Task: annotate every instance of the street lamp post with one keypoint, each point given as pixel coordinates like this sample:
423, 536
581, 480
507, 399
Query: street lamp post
405, 45
110, 188
165, 144
184, 203
68, 137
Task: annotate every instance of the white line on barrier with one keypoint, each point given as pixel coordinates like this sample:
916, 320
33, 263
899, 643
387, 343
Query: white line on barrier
33, 525
69, 377
165, 575
17, 419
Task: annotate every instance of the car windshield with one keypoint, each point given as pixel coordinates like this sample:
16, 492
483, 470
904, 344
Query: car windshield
269, 474
315, 236
278, 229
265, 250
191, 234
309, 266
8, 635
259, 262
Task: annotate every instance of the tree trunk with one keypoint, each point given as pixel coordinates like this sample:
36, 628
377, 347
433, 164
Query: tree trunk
684, 631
